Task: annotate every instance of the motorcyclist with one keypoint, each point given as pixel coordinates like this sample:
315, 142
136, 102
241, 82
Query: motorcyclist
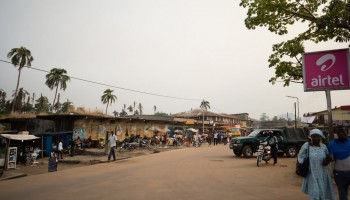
272, 142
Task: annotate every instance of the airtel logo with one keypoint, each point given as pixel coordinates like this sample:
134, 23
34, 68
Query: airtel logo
324, 59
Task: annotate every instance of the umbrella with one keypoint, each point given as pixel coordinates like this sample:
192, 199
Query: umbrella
178, 131
192, 130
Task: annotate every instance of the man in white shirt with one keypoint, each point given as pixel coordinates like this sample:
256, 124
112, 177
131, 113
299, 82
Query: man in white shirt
60, 149
113, 142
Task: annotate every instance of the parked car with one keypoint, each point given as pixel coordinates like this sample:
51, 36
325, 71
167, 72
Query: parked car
290, 141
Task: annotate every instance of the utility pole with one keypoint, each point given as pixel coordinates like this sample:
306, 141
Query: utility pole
298, 106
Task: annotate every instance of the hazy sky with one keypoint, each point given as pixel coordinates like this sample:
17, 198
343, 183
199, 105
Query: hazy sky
197, 49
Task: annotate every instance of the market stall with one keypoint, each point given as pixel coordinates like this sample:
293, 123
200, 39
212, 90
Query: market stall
12, 144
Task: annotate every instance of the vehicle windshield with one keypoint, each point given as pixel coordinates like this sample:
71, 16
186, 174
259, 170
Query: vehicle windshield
254, 133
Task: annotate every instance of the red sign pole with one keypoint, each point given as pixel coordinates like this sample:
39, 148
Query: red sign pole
330, 120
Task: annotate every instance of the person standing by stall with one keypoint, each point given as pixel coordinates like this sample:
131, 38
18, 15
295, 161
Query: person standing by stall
60, 149
72, 146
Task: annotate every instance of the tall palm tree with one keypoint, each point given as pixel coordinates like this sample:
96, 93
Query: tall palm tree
204, 106
140, 108
108, 98
57, 78
20, 57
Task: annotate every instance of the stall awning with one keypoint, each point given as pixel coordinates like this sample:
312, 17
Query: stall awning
19, 137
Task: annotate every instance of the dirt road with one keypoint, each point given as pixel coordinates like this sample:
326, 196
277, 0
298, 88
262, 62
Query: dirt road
190, 173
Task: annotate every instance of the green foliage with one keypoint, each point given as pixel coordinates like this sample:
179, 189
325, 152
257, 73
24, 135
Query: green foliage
205, 105
130, 109
2, 101
160, 113
264, 117
42, 105
326, 19
67, 106
57, 78
115, 113
108, 98
123, 113
20, 57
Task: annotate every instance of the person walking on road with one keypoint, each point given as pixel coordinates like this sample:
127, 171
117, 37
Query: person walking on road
318, 183
60, 149
113, 142
339, 151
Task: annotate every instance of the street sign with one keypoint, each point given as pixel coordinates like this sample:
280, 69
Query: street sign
326, 70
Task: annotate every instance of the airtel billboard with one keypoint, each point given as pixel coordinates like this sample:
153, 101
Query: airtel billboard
326, 70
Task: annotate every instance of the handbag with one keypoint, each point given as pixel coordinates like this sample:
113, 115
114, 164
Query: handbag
302, 169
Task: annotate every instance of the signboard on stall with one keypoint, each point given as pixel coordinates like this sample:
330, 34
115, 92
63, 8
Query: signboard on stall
326, 70
12, 157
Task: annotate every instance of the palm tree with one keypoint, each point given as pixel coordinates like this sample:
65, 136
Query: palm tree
155, 108
108, 98
140, 108
130, 109
20, 57
204, 105
57, 78
115, 113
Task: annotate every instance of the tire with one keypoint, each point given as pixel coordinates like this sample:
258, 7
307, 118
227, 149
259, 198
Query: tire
258, 160
247, 151
291, 152
236, 153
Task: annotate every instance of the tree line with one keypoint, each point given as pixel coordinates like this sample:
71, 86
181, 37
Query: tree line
57, 79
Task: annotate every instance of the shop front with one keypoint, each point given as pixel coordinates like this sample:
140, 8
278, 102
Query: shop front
17, 149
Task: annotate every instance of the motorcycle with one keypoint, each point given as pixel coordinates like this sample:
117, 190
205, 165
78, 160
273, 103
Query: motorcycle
144, 142
264, 153
127, 146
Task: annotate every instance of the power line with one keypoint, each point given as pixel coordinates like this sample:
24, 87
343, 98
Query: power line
112, 86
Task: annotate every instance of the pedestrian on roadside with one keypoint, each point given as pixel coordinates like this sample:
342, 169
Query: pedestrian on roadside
79, 142
339, 151
216, 138
113, 142
52, 167
72, 146
272, 142
318, 183
60, 149
210, 138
